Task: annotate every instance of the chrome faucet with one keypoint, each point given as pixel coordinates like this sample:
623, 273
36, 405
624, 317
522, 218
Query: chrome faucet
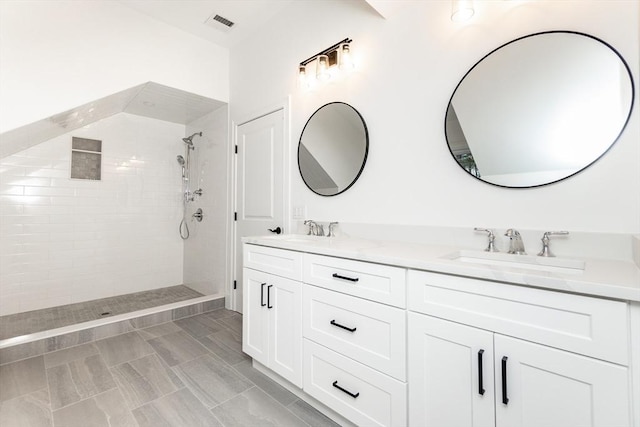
516, 246
331, 232
491, 247
312, 226
315, 229
546, 252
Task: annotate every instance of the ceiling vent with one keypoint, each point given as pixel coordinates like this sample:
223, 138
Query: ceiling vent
219, 22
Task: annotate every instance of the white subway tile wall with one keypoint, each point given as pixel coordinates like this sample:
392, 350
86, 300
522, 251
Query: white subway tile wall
64, 241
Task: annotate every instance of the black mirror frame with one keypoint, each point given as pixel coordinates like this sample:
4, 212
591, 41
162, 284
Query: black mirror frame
624, 126
366, 149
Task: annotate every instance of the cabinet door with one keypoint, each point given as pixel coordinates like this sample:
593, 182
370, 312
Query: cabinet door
284, 304
550, 387
446, 386
255, 325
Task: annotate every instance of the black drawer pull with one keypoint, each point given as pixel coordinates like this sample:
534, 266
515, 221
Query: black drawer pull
351, 279
335, 384
269, 296
505, 399
333, 322
480, 385
262, 304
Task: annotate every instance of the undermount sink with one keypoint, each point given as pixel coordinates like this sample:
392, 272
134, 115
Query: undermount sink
526, 262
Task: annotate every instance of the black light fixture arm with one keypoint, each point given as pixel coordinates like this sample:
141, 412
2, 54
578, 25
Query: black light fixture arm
326, 51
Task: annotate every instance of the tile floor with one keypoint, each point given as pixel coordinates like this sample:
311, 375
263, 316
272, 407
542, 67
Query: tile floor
14, 325
189, 372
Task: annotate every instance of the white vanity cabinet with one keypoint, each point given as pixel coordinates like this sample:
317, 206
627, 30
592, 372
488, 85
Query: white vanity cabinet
272, 310
354, 328
383, 342
508, 356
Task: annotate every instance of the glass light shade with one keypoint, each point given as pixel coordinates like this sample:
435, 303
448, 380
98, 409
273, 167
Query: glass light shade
461, 10
322, 68
302, 76
346, 61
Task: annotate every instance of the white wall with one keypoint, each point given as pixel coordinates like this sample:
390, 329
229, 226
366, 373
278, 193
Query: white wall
65, 241
205, 252
57, 55
407, 67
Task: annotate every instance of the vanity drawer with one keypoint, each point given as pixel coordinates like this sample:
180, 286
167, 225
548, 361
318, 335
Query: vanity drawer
375, 282
362, 395
280, 262
585, 325
366, 331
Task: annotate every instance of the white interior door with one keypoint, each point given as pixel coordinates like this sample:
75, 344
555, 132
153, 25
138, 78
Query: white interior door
260, 184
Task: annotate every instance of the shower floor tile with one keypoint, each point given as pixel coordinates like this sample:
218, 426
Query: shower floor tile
15, 325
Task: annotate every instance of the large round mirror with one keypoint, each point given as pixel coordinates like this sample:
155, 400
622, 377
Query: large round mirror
539, 109
333, 149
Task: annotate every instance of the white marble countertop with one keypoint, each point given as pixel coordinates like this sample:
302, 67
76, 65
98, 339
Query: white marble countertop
615, 279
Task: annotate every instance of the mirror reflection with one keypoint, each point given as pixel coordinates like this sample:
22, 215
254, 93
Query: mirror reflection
333, 149
539, 109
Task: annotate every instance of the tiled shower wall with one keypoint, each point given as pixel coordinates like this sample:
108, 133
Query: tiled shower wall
205, 252
64, 240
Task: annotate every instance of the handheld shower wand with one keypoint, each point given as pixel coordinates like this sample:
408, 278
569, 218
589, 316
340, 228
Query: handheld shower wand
180, 160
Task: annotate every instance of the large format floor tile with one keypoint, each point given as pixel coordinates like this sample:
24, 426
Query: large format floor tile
31, 410
199, 326
145, 379
123, 348
179, 409
190, 372
272, 388
177, 348
19, 378
78, 380
212, 380
255, 408
107, 409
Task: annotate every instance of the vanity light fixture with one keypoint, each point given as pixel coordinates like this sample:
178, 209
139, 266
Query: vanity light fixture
461, 10
338, 54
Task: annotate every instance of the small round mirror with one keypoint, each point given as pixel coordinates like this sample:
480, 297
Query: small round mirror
539, 109
333, 149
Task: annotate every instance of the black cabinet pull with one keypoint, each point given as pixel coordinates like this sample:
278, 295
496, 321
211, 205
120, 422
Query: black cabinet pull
333, 322
480, 385
351, 279
505, 399
335, 384
269, 296
262, 304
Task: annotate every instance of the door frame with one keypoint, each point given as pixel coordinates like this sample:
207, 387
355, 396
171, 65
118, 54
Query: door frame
231, 302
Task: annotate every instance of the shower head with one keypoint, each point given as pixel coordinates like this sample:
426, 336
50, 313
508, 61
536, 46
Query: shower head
189, 140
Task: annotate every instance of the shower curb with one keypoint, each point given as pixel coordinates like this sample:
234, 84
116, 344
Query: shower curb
27, 346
